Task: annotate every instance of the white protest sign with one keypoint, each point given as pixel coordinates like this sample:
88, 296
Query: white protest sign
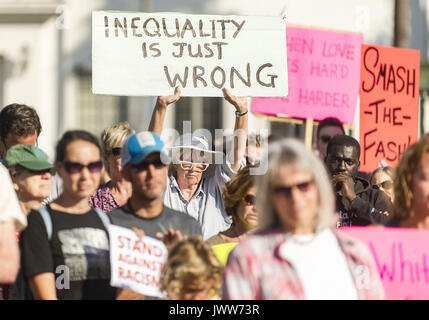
137, 54
136, 264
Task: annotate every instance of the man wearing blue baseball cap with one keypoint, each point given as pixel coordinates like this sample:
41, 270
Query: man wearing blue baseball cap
144, 162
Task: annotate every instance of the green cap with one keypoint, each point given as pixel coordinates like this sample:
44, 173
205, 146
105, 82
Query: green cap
27, 156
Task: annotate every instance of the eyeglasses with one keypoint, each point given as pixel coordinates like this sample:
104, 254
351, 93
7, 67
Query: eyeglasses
249, 199
187, 165
76, 167
115, 152
385, 185
287, 191
143, 166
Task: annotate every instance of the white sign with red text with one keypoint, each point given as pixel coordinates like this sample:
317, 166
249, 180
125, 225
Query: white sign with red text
136, 264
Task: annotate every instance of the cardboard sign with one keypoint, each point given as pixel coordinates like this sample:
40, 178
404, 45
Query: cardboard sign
136, 53
401, 257
389, 104
324, 69
136, 264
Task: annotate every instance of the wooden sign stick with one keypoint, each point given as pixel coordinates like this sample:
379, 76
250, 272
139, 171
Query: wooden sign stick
309, 132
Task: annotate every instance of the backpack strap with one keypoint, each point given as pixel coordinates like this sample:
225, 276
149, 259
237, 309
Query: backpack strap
104, 218
47, 221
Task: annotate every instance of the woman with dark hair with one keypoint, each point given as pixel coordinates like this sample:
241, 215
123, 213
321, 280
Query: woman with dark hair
65, 249
239, 198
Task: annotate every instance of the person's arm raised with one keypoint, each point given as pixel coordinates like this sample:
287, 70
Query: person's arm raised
240, 128
158, 114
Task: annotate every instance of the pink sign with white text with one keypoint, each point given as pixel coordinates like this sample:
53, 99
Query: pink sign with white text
401, 257
323, 75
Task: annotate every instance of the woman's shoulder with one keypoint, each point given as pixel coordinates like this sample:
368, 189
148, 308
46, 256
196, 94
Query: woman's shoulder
261, 242
216, 239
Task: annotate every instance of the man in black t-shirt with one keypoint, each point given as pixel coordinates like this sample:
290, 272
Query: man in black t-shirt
356, 202
142, 161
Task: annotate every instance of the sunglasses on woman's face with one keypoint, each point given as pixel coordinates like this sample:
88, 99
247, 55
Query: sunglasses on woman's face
76, 167
287, 191
42, 172
249, 199
326, 138
116, 152
385, 185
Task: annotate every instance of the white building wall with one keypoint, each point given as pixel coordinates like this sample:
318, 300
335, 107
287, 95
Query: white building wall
30, 72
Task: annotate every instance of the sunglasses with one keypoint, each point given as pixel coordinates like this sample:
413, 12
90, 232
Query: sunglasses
76, 167
326, 138
115, 152
385, 185
287, 191
42, 172
249, 199
188, 165
144, 166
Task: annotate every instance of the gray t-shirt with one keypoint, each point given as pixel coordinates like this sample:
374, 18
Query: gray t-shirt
151, 226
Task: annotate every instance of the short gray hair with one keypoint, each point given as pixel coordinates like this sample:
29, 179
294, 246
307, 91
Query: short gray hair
293, 152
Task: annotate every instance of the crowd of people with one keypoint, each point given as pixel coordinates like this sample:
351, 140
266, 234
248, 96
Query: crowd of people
230, 234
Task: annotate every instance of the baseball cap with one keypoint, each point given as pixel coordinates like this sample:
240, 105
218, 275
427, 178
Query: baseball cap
140, 145
27, 156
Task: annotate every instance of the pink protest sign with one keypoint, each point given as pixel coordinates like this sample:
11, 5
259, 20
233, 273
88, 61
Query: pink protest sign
400, 256
323, 75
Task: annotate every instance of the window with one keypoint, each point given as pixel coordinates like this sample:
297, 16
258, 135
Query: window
290, 130
203, 112
96, 112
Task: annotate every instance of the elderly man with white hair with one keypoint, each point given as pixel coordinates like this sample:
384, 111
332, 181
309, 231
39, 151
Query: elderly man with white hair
188, 190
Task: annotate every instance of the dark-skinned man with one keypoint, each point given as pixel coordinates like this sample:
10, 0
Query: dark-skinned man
356, 202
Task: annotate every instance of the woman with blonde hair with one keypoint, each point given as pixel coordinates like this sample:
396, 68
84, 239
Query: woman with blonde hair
382, 178
115, 192
297, 252
411, 188
191, 272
